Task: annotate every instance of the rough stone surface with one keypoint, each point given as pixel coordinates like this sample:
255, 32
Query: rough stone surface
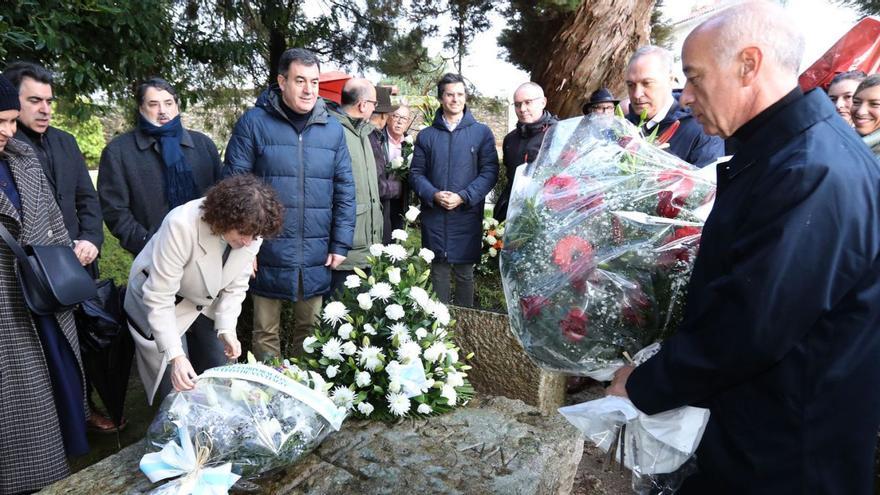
500, 365
494, 445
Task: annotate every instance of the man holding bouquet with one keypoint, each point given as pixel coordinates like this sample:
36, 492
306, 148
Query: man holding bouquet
779, 339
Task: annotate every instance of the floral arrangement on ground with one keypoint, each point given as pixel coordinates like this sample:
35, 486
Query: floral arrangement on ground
385, 343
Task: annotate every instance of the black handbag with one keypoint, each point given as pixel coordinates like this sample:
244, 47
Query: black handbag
51, 277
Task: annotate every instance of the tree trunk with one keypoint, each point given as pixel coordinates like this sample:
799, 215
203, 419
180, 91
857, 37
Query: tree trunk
591, 50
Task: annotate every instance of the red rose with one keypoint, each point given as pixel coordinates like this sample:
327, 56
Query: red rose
676, 246
532, 305
567, 156
673, 195
573, 254
634, 304
560, 192
574, 325
628, 143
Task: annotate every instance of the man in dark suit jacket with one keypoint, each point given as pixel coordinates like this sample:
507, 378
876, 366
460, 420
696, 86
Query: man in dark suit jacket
159, 165
61, 159
780, 336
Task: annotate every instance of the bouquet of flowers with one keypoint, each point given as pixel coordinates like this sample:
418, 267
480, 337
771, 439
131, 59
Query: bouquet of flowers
493, 241
399, 167
601, 235
240, 420
386, 343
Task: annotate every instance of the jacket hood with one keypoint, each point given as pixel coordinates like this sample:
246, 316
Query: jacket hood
540, 125
467, 119
357, 126
270, 101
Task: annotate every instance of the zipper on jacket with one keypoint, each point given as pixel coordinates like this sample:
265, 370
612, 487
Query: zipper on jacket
446, 215
302, 207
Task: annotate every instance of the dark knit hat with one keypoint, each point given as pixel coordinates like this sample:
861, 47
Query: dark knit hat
8, 96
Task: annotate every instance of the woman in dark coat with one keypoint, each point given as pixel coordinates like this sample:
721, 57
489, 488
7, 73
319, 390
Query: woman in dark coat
32, 446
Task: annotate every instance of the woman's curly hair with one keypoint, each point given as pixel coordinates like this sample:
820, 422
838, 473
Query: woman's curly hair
243, 203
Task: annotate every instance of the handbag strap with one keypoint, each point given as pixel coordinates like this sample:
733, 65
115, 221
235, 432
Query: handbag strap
14, 245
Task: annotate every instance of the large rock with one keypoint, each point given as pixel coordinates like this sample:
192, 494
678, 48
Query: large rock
500, 365
494, 445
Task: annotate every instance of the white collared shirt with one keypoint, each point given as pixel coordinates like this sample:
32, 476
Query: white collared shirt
661, 114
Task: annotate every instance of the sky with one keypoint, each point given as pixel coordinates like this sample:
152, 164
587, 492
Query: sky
824, 20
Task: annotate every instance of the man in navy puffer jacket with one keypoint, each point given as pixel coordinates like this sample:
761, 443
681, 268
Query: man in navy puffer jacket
454, 166
290, 140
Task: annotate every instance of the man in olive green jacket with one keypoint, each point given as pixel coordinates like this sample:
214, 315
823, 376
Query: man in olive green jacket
358, 104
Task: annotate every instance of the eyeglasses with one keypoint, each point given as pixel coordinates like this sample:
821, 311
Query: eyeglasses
400, 118
525, 103
374, 102
602, 108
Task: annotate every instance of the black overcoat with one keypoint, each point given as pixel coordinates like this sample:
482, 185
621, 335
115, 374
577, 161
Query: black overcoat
781, 336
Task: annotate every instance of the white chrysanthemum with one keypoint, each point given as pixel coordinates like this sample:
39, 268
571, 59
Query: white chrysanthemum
440, 312
426, 254
411, 214
349, 348
408, 352
395, 312
394, 386
334, 312
399, 235
436, 351
448, 392
343, 397
408, 139
365, 408
332, 349
332, 371
396, 252
397, 163
309, 344
452, 354
398, 404
376, 250
424, 409
364, 301
421, 297
490, 239
393, 370
352, 281
369, 357
363, 379
381, 291
345, 331
394, 275
455, 379
493, 252
401, 331
421, 333
369, 329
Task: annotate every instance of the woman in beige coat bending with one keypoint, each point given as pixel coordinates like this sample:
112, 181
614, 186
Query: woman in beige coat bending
197, 266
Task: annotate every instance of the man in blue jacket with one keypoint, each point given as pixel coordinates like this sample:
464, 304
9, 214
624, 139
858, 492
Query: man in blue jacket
291, 141
454, 166
780, 336
649, 84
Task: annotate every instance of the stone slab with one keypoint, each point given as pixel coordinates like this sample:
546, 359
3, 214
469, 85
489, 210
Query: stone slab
500, 365
494, 445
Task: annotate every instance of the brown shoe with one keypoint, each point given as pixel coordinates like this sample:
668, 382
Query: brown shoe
99, 423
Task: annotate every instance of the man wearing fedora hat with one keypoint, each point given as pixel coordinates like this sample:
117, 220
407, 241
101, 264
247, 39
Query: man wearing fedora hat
601, 102
391, 188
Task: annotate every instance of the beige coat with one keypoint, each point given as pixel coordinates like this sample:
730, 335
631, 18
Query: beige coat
182, 259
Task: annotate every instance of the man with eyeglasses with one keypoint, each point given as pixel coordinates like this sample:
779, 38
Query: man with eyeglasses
290, 140
521, 145
601, 102
61, 159
358, 104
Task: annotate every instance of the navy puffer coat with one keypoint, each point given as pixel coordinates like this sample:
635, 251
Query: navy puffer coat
312, 174
465, 162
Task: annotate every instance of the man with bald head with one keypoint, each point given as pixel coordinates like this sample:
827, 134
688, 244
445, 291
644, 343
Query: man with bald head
521, 145
780, 336
358, 104
649, 81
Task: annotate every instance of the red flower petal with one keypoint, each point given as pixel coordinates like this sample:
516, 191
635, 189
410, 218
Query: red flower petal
573, 254
560, 192
681, 252
532, 305
574, 325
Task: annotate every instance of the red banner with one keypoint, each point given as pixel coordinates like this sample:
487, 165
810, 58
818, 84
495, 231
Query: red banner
858, 49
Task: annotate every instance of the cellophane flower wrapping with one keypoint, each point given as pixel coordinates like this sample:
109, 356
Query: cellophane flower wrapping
250, 415
599, 244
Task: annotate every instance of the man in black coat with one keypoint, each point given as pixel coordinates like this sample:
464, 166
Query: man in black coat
134, 175
649, 84
522, 144
780, 336
61, 159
